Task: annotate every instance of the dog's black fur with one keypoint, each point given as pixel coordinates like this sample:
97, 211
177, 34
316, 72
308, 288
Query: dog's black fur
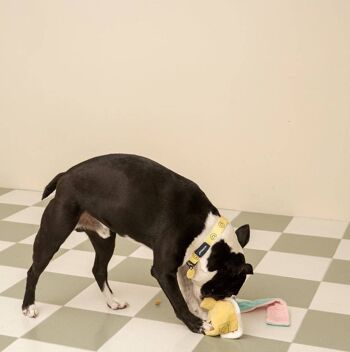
135, 196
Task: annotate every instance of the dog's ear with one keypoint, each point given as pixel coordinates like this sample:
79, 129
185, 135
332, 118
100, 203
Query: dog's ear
243, 235
247, 269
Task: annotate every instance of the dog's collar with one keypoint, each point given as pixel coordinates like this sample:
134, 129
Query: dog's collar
215, 232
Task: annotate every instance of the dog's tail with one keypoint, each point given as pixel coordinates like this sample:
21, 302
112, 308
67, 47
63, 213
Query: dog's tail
52, 185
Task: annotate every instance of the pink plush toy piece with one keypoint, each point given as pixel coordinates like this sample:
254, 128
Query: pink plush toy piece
276, 309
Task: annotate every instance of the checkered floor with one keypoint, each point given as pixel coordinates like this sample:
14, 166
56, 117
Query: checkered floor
304, 261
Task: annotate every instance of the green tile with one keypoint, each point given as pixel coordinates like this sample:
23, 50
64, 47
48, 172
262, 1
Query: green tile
20, 255
78, 328
347, 233
123, 246
325, 329
296, 292
9, 209
52, 288
135, 271
339, 272
260, 221
4, 190
162, 312
15, 232
244, 344
5, 340
253, 256
307, 245
85, 246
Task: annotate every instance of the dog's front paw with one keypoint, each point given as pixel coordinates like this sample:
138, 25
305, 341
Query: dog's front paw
194, 323
31, 311
206, 326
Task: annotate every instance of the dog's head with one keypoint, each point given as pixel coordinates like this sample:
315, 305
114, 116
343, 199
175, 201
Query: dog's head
230, 266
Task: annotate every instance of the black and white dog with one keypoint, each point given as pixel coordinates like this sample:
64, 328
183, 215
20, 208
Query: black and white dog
134, 196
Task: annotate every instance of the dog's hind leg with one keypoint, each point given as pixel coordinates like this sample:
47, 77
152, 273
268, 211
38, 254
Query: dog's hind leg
104, 248
58, 221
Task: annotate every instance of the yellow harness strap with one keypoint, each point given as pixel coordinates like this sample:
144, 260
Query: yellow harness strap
216, 231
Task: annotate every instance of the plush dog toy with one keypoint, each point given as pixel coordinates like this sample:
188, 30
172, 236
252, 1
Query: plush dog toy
224, 316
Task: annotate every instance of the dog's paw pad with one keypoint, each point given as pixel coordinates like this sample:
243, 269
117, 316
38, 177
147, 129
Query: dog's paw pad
31, 311
114, 304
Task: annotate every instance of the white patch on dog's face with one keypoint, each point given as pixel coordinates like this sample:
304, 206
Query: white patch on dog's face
230, 237
202, 273
191, 289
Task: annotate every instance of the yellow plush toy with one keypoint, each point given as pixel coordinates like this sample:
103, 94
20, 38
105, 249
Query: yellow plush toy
224, 316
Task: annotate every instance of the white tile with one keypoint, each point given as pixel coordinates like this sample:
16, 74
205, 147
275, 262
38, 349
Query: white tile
254, 324
74, 239
343, 250
31, 215
263, 240
14, 323
39, 346
136, 295
152, 336
143, 252
10, 276
316, 227
293, 265
332, 297
229, 214
21, 197
29, 240
5, 244
295, 347
47, 200
78, 263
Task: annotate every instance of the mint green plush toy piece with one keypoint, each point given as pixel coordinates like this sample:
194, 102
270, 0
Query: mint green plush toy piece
276, 309
246, 305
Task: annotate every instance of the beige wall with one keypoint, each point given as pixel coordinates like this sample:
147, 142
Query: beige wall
251, 99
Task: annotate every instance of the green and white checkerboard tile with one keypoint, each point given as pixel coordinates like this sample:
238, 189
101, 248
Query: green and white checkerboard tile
304, 261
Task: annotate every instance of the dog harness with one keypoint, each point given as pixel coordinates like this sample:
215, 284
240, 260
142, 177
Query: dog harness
215, 232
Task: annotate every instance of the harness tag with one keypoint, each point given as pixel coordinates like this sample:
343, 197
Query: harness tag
190, 273
200, 251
